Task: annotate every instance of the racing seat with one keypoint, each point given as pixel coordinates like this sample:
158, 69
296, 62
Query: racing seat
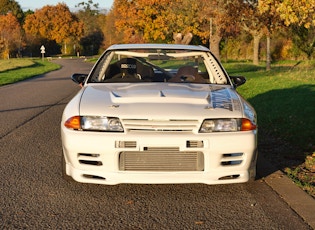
129, 67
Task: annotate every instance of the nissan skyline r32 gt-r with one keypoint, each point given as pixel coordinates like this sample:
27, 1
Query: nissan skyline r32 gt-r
158, 114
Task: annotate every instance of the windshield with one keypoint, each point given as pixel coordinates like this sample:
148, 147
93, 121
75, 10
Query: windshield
178, 66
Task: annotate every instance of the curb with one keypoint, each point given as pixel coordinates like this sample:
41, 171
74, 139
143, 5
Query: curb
302, 203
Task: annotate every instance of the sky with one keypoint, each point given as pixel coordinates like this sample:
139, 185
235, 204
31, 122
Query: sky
37, 4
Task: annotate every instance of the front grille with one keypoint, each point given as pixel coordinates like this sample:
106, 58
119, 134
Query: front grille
161, 159
160, 125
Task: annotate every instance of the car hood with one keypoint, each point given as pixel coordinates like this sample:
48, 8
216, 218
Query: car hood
153, 100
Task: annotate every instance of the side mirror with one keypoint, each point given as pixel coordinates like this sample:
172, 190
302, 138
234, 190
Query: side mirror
238, 80
79, 78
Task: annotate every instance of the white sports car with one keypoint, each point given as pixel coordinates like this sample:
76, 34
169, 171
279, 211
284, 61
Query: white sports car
158, 114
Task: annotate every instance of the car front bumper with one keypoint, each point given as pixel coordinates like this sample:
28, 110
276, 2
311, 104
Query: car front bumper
167, 158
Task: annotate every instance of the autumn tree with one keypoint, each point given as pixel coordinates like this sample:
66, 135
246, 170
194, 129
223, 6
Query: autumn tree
214, 23
13, 7
179, 21
107, 26
301, 12
10, 35
55, 23
208, 22
304, 39
142, 20
93, 35
272, 21
11, 42
183, 20
249, 18
300, 17
156, 20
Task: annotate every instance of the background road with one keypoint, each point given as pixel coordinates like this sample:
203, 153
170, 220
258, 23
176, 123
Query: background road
34, 195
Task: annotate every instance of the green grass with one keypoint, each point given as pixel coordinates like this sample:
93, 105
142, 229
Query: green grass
284, 99
14, 70
10, 64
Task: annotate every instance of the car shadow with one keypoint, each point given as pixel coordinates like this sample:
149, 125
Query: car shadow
32, 107
286, 133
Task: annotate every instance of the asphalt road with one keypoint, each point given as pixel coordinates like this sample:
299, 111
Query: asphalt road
35, 196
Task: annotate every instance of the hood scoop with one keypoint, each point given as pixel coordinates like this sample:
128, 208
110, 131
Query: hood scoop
160, 96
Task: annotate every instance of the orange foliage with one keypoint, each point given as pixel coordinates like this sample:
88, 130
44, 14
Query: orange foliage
142, 20
10, 36
300, 12
158, 20
54, 23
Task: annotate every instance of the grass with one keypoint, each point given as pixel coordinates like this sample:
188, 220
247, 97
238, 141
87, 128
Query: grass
14, 70
283, 98
10, 64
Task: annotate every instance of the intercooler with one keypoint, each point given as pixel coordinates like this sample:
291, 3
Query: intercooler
161, 159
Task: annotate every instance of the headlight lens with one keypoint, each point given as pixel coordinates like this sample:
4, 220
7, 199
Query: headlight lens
226, 125
219, 125
95, 123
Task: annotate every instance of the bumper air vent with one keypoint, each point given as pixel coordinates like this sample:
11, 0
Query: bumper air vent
231, 159
89, 159
194, 144
126, 144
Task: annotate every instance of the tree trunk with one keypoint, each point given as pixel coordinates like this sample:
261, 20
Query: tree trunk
256, 49
215, 45
268, 58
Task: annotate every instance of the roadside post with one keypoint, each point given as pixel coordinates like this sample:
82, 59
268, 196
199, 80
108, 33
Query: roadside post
42, 50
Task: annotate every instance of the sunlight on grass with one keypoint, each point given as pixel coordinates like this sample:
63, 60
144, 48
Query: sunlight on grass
20, 69
10, 64
283, 98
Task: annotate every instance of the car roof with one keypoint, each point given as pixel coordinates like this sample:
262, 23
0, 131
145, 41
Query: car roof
158, 46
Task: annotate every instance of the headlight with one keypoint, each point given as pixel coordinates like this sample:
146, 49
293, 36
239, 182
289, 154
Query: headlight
95, 123
226, 125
